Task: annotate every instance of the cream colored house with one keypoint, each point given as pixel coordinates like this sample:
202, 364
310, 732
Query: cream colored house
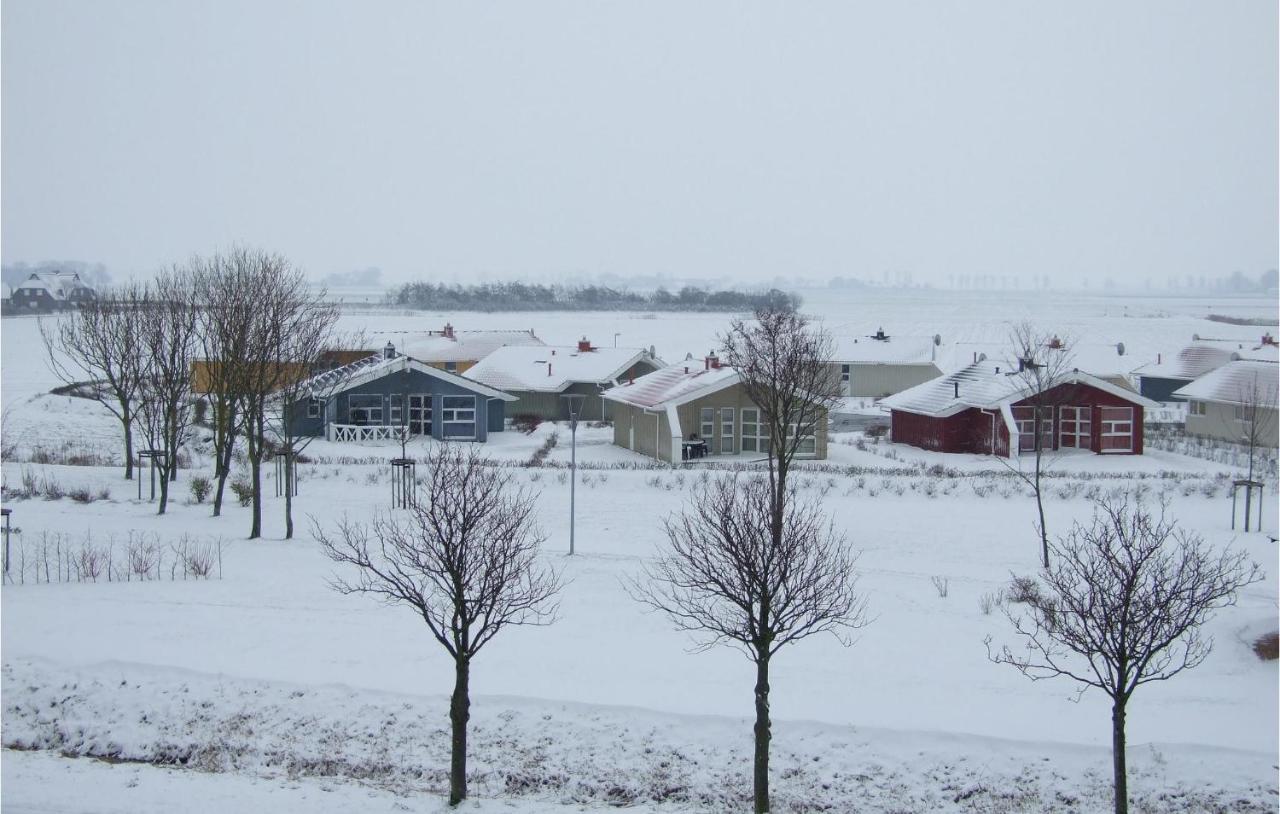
671, 410
1233, 402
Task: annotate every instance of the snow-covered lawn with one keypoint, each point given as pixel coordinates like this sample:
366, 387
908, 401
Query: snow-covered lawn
264, 672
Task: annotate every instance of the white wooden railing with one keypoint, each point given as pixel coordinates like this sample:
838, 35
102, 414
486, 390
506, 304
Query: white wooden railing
365, 432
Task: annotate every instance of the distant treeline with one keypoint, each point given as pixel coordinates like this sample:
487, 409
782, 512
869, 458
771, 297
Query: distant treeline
534, 297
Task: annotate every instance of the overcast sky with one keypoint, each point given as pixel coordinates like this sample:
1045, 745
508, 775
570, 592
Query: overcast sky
530, 139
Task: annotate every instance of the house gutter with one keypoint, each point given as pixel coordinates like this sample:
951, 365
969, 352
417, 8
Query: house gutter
993, 415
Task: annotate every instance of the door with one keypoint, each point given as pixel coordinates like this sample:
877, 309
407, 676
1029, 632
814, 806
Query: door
420, 414
1117, 429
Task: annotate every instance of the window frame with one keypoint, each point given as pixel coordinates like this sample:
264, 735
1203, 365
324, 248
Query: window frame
707, 422
453, 415
727, 414
367, 412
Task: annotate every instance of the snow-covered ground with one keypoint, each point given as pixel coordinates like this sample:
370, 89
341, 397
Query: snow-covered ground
264, 674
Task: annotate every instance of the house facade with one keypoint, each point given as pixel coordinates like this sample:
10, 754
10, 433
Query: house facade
986, 409
1162, 379
383, 396
657, 415
51, 291
1234, 402
448, 349
540, 377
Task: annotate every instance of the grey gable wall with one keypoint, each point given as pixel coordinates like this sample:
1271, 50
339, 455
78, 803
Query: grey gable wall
490, 412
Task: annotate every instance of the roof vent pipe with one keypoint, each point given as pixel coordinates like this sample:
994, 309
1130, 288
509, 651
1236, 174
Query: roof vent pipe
956, 385
389, 352
548, 368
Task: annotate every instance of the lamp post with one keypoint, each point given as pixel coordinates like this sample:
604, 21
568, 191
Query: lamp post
615, 339
6, 512
574, 403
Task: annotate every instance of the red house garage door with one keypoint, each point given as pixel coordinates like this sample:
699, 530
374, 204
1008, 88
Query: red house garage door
1117, 429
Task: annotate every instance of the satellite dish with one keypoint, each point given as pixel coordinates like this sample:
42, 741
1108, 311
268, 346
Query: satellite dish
1195, 337
982, 357
1120, 348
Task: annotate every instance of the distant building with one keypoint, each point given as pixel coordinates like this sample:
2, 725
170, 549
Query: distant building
541, 376
879, 365
986, 409
697, 402
1161, 379
1225, 401
51, 291
448, 349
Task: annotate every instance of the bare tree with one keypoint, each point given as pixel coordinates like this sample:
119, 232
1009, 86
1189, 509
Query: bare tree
1255, 413
464, 558
728, 579
1121, 606
98, 342
167, 328
303, 345
1042, 363
226, 291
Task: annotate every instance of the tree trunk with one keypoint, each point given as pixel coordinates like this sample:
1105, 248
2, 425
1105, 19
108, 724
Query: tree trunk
224, 453
255, 465
288, 497
763, 735
127, 420
164, 491
1044, 533
1118, 759
459, 714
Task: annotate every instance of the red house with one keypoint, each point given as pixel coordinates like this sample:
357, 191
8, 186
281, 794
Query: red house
982, 407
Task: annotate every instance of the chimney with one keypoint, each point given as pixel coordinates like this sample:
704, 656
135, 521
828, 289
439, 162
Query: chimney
584, 346
686, 368
713, 362
448, 331
975, 357
1268, 339
1055, 343
997, 368
389, 352
553, 351
956, 385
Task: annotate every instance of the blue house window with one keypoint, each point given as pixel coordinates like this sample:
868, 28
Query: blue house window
365, 409
458, 409
314, 406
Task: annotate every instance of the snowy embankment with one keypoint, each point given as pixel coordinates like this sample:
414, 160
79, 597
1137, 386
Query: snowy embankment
560, 753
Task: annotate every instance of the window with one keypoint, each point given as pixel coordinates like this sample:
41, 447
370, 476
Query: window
1117, 429
755, 436
451, 367
365, 409
458, 409
1197, 408
314, 407
846, 373
808, 443
396, 416
708, 423
726, 431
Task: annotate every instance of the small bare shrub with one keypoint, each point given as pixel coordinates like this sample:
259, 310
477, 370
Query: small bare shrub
89, 562
104, 493
1023, 589
52, 489
200, 488
526, 422
942, 585
991, 601
243, 490
81, 494
876, 431
1267, 646
143, 558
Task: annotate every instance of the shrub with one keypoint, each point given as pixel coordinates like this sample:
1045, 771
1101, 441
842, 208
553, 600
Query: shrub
526, 422
81, 494
200, 488
200, 411
1267, 646
942, 585
243, 490
877, 431
1023, 589
988, 602
53, 490
104, 493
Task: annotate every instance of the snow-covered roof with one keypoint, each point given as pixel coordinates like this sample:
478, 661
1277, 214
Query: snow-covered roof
1097, 358
893, 350
372, 368
59, 284
987, 385
1238, 382
1195, 360
674, 384
552, 368
438, 346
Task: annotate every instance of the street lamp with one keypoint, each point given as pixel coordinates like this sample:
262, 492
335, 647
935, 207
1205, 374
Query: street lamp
615, 339
574, 402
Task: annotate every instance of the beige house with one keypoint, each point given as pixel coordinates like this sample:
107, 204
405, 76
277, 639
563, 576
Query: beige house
1234, 401
693, 403
878, 365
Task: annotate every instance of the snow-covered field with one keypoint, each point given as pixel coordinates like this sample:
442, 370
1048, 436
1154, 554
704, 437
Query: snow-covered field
275, 693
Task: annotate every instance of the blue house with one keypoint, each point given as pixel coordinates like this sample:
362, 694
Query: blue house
381, 396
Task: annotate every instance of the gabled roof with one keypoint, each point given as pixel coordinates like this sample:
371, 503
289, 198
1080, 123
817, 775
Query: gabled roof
1096, 358
1197, 359
987, 385
1238, 382
59, 284
372, 368
674, 385
551, 369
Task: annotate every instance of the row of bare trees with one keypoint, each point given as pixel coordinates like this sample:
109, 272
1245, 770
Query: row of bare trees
753, 565
240, 327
